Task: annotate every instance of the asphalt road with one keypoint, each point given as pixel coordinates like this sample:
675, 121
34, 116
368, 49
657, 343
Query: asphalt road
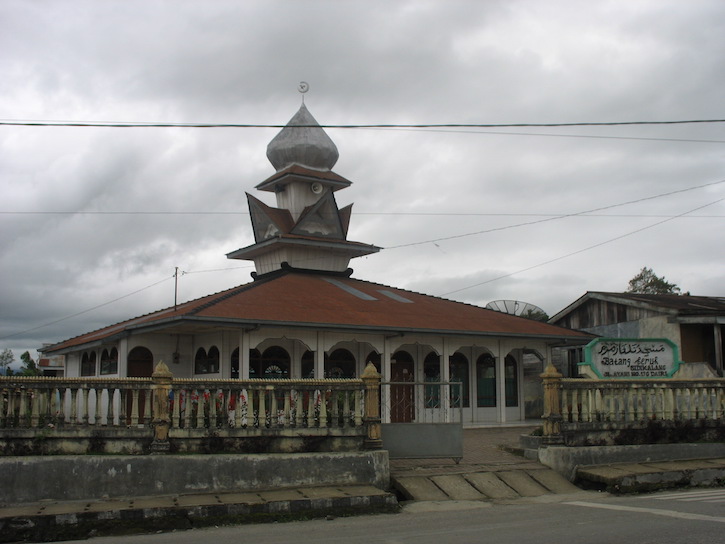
692, 517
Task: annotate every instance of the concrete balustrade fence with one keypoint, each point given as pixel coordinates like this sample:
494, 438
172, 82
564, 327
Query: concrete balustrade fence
158, 414
598, 412
600, 400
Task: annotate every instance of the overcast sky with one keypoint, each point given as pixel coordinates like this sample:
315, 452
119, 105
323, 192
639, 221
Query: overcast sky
73, 237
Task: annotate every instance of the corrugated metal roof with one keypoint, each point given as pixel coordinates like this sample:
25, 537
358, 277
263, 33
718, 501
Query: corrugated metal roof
673, 304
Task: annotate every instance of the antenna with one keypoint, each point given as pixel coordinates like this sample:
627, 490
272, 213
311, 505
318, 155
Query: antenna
518, 308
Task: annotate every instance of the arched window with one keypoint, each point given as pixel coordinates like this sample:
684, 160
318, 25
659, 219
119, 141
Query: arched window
340, 364
109, 361
511, 376
212, 360
458, 365
200, 361
206, 363
88, 364
234, 362
486, 381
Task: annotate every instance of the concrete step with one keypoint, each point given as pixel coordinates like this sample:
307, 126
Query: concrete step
483, 486
65, 520
645, 477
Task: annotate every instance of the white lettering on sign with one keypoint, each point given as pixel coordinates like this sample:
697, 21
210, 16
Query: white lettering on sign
646, 358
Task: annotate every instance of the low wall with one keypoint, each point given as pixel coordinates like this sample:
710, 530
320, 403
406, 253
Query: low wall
31, 479
137, 441
565, 460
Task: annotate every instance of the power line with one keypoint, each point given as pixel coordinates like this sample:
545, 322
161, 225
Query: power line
589, 213
135, 124
554, 218
580, 250
592, 136
406, 214
84, 311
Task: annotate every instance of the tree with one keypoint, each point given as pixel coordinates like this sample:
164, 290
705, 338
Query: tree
536, 315
6, 359
29, 367
649, 283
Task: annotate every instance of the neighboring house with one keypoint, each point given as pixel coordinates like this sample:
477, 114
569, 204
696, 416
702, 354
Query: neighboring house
52, 366
304, 316
695, 324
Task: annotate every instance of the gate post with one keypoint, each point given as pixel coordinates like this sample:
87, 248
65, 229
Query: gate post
552, 409
371, 381
161, 387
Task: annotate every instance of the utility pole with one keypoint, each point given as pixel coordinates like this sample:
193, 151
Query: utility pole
176, 284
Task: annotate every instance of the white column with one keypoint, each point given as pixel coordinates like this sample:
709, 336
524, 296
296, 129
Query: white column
446, 377
225, 360
122, 358
385, 389
320, 356
244, 355
500, 385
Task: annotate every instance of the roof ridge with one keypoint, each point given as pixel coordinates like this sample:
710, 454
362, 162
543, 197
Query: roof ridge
225, 295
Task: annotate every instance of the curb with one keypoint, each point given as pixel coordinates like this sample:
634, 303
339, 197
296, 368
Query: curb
103, 518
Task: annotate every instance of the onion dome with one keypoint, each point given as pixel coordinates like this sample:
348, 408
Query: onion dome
302, 142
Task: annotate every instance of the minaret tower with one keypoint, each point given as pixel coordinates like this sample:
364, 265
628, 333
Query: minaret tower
307, 230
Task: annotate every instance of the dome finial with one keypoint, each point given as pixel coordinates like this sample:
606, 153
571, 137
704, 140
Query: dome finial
303, 87
302, 141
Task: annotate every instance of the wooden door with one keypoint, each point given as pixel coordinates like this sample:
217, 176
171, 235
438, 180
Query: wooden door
402, 396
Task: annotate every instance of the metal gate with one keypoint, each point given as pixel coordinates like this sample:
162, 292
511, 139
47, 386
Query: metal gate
423, 419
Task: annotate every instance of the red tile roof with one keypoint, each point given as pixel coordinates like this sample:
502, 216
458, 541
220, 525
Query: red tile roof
330, 301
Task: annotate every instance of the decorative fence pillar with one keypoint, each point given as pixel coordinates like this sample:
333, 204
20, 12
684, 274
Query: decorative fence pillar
161, 387
552, 408
371, 380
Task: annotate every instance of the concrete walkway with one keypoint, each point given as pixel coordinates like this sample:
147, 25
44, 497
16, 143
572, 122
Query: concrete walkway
492, 469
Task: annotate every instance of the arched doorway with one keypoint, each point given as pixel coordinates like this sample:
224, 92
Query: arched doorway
140, 365
402, 396
458, 365
274, 363
340, 364
432, 373
307, 365
234, 364
486, 381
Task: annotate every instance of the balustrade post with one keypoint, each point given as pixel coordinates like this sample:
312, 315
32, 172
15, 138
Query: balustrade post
161, 387
551, 379
371, 380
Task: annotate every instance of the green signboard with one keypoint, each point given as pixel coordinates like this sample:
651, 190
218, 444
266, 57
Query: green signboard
631, 358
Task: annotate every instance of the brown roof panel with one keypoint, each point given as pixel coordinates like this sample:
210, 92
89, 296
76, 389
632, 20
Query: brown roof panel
330, 300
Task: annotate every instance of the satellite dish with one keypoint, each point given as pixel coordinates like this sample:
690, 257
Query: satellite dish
519, 308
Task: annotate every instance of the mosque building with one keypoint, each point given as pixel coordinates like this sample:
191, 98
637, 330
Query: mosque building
305, 316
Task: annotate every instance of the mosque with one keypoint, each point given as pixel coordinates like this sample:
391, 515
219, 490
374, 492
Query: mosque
304, 315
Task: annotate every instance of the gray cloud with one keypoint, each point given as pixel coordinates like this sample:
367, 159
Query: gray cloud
367, 62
